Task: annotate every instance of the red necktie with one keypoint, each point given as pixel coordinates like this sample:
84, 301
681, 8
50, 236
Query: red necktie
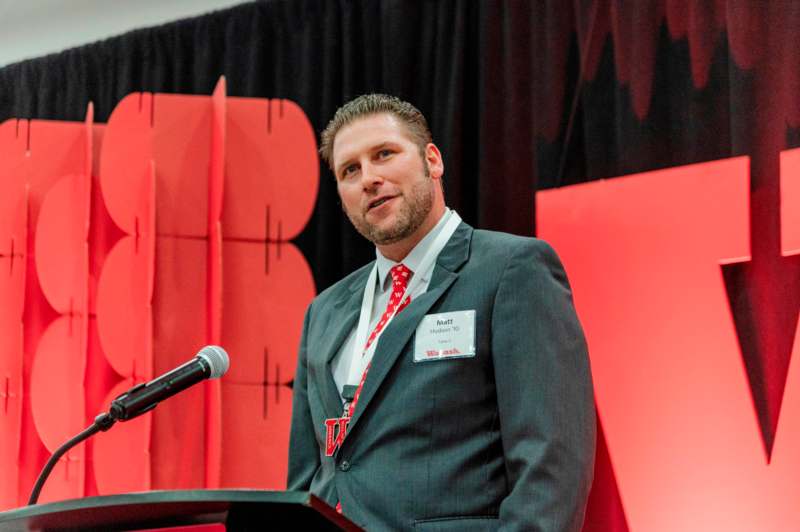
400, 276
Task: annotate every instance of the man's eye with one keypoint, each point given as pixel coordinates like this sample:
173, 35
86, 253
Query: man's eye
349, 170
384, 153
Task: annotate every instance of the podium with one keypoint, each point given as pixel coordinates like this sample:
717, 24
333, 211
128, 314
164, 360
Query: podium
200, 510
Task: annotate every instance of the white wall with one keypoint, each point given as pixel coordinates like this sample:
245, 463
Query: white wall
31, 28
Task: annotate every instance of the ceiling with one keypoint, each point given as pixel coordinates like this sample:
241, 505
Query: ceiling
32, 28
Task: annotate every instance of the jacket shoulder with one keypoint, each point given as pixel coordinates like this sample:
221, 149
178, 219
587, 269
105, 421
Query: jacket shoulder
504, 244
528, 257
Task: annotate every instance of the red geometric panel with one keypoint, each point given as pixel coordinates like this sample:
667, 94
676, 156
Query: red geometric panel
51, 151
181, 143
100, 379
790, 198
271, 183
57, 401
61, 247
264, 298
125, 286
272, 170
103, 232
187, 136
217, 153
170, 138
125, 163
643, 255
13, 258
785, 461
149, 291
61, 259
124, 313
121, 456
255, 443
216, 184
13, 238
55, 149
781, 495
10, 407
103, 235
179, 301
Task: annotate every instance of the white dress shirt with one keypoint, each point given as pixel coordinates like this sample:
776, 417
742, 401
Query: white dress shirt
383, 290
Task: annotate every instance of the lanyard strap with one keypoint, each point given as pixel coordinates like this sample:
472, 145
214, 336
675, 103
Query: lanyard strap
360, 357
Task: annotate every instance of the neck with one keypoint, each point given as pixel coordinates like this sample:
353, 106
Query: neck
399, 250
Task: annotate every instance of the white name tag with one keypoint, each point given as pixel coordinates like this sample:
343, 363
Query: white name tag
445, 335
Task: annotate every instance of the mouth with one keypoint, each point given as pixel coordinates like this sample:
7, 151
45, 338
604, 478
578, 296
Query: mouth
377, 202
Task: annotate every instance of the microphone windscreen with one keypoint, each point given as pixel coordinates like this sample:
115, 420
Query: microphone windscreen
217, 359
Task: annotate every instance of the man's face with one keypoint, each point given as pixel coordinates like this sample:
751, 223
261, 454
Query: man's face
382, 178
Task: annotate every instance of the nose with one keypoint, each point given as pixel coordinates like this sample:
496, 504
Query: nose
370, 176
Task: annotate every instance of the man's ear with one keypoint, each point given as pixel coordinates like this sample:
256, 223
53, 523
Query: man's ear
433, 157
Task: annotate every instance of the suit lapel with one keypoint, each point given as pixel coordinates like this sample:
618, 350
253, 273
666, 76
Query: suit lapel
344, 317
402, 327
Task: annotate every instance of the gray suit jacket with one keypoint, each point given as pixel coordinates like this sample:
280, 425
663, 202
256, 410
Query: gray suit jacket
502, 440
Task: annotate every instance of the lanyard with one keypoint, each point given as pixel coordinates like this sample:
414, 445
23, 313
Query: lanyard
361, 358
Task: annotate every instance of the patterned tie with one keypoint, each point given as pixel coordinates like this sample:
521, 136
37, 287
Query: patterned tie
400, 277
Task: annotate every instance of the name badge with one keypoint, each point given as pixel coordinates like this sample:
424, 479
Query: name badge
445, 335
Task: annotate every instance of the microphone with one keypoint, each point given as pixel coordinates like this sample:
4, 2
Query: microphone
211, 362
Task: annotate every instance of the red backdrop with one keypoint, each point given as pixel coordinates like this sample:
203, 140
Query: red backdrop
127, 247
646, 255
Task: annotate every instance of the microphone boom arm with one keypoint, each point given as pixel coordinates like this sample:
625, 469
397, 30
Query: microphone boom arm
102, 423
210, 362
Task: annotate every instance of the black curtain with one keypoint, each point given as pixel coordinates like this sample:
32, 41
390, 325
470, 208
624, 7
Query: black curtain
465, 64
520, 95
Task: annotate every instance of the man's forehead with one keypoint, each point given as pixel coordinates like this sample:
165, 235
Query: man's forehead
368, 132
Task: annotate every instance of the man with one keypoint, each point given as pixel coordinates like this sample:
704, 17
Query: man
446, 385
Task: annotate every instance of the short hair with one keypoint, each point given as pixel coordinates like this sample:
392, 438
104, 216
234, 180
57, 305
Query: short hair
373, 104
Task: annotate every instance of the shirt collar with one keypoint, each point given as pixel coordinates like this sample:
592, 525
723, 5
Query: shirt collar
414, 258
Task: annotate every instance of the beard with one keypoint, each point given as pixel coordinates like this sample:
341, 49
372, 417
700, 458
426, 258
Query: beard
411, 214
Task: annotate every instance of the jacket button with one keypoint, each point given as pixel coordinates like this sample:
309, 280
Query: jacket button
344, 466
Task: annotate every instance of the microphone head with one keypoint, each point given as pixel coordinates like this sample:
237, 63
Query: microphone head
217, 360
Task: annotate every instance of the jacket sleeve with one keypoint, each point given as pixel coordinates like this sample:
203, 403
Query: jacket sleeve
544, 394
303, 451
